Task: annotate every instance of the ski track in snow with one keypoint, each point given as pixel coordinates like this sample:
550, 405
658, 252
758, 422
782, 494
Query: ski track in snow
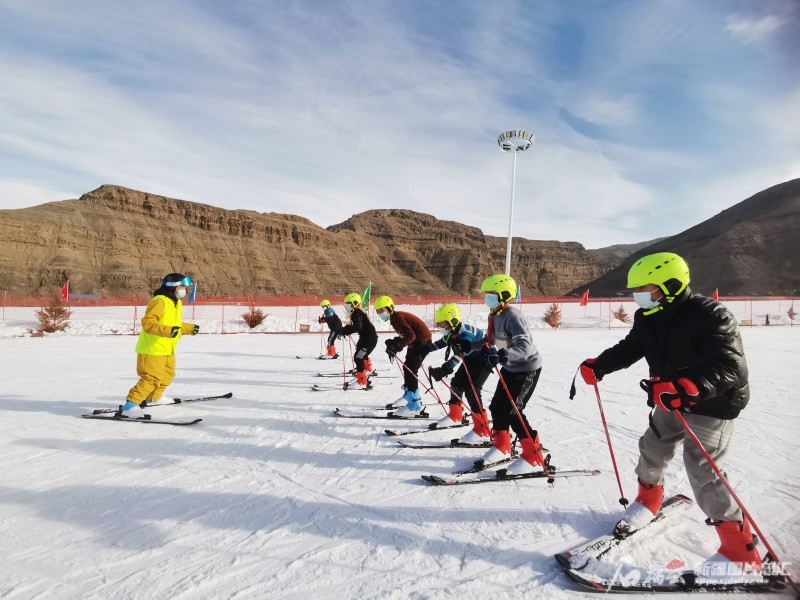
274, 496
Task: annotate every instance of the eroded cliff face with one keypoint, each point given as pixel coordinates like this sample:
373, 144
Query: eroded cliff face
751, 248
121, 242
460, 257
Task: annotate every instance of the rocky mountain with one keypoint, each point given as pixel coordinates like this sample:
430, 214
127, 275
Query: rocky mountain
752, 248
119, 242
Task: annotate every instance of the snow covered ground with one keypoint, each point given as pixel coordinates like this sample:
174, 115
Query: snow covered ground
272, 496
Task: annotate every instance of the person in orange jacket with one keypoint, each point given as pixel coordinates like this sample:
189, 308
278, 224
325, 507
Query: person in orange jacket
162, 327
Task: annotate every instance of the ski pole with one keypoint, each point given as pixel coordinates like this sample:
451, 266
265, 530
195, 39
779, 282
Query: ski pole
414, 375
435, 393
716, 469
622, 499
572, 391
450, 389
344, 365
482, 416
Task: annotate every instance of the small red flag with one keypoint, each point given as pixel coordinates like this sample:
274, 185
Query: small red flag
585, 298
715, 295
65, 291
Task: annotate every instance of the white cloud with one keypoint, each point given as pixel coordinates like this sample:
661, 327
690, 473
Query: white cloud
329, 110
749, 30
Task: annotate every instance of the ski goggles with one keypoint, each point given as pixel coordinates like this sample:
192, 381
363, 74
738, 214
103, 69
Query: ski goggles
186, 281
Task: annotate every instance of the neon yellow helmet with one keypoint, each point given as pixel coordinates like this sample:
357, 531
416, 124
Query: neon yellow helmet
384, 302
448, 313
664, 269
502, 285
325, 303
353, 298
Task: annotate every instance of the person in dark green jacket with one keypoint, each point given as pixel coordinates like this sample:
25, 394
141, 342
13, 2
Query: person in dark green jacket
162, 327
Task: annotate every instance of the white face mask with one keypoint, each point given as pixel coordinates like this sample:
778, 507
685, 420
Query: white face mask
491, 300
645, 300
348, 308
180, 293
384, 315
443, 331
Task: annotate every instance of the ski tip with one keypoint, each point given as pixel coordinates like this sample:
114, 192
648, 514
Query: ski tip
390, 432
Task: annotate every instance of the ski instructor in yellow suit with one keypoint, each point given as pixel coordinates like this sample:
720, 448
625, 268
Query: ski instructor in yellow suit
162, 327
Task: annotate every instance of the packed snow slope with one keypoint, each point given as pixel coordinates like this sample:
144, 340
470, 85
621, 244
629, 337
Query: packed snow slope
272, 496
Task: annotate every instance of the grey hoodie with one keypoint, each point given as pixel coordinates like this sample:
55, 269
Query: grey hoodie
510, 331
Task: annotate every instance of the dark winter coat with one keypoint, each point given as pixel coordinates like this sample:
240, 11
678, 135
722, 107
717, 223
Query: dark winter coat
360, 324
694, 337
411, 329
332, 319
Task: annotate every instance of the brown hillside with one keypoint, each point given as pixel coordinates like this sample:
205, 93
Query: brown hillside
120, 242
752, 248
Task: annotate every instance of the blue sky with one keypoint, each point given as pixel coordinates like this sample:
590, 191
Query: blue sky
650, 116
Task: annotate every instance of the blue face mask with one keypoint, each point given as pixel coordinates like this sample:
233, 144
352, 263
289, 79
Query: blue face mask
384, 315
348, 308
645, 300
491, 300
180, 293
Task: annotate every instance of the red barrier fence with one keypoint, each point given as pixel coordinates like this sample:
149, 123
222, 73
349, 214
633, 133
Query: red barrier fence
293, 314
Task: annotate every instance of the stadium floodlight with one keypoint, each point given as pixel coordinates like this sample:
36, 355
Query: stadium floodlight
513, 141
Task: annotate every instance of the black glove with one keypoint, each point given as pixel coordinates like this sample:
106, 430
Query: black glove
393, 346
464, 346
439, 373
195, 329
493, 357
321, 320
174, 331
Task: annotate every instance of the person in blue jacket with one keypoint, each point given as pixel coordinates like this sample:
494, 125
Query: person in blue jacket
330, 317
470, 376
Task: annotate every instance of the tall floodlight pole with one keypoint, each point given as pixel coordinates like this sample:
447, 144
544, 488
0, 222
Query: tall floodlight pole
513, 141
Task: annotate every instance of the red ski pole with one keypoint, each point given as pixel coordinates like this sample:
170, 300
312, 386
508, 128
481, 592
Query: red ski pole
622, 499
716, 469
519, 416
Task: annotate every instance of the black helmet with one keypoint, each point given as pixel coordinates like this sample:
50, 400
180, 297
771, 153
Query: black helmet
176, 279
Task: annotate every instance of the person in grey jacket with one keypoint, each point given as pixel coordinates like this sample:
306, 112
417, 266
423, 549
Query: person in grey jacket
510, 344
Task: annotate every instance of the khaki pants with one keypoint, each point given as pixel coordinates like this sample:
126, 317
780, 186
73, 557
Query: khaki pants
155, 374
660, 442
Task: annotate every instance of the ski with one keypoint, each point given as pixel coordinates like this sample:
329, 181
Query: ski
106, 411
433, 427
479, 466
659, 581
579, 556
339, 374
455, 443
391, 405
502, 475
321, 357
145, 420
377, 414
347, 386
